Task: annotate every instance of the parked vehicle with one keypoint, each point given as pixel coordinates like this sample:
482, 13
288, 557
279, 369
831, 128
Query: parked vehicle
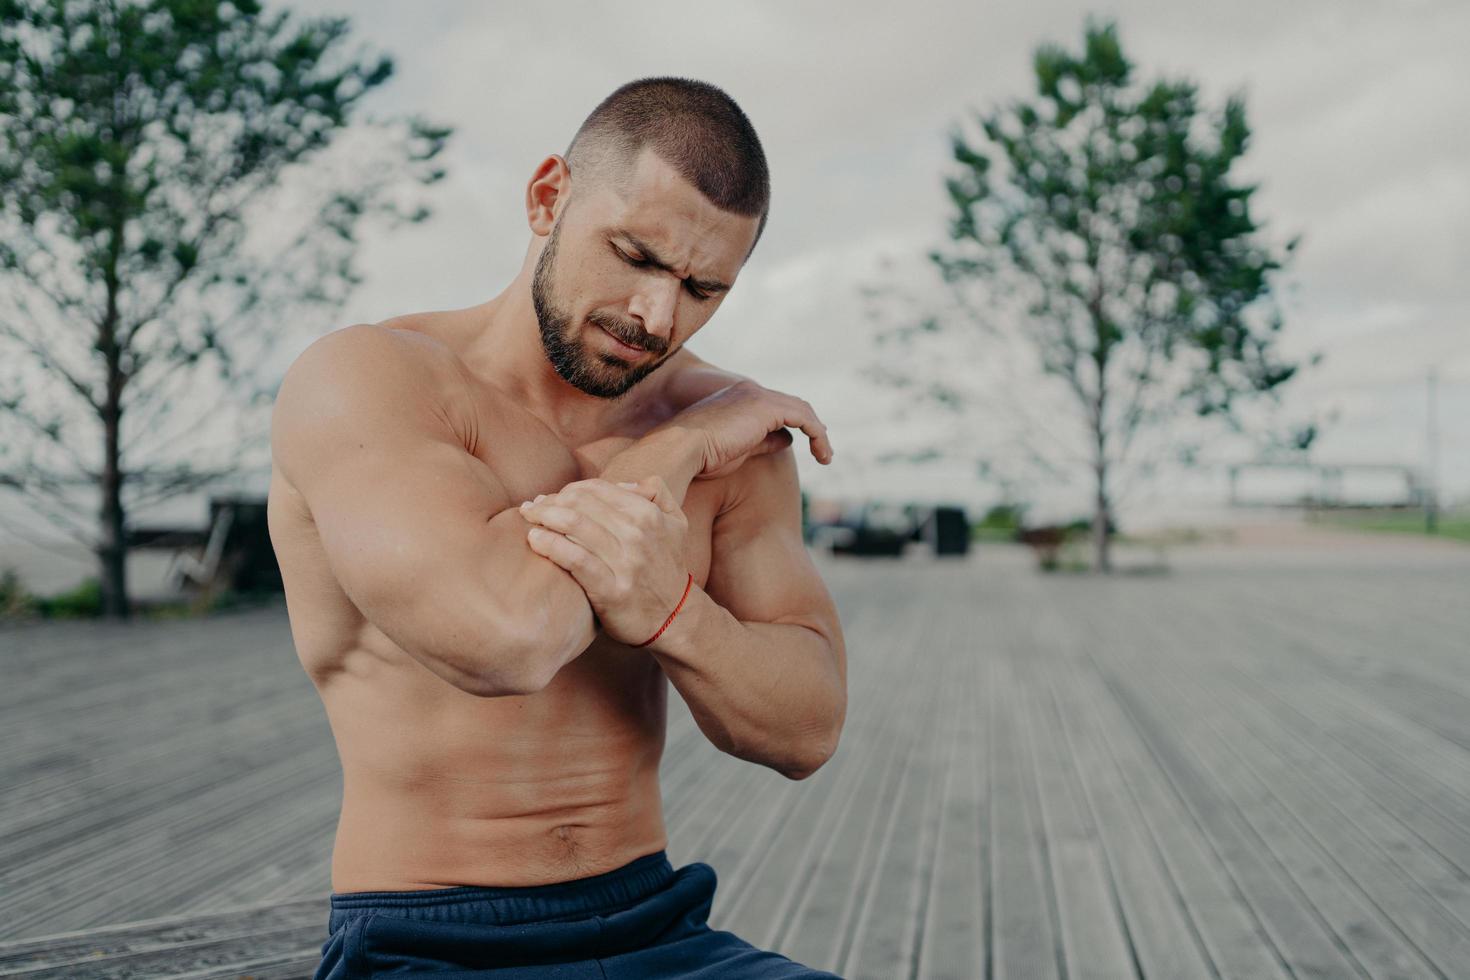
879, 529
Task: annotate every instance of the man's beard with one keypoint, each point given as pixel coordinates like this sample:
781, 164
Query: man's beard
596, 373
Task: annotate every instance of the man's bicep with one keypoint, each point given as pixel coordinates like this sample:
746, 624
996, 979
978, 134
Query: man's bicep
401, 508
760, 569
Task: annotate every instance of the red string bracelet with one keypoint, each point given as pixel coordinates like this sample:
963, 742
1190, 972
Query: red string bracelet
671, 615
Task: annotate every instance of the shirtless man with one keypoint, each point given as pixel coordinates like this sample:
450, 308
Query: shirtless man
482, 516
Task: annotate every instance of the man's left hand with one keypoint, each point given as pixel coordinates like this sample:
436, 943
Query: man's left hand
623, 543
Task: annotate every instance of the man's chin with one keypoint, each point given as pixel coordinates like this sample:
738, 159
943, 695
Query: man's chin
628, 376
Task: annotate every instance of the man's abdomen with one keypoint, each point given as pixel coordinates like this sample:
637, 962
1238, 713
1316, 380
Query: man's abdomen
442, 788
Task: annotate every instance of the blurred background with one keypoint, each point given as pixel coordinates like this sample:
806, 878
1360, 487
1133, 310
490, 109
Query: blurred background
1143, 337
936, 391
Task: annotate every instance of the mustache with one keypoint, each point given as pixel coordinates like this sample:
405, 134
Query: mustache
629, 333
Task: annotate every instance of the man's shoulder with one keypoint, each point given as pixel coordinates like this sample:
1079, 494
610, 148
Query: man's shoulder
374, 349
381, 376
773, 475
692, 378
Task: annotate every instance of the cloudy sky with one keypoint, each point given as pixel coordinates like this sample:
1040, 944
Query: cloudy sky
1359, 144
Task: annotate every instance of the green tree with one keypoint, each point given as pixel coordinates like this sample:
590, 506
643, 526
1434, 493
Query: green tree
158, 230
1107, 212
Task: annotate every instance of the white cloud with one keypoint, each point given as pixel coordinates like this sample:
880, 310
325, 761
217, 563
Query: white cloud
1353, 106
1357, 108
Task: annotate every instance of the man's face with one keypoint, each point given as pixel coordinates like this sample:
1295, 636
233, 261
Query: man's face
598, 283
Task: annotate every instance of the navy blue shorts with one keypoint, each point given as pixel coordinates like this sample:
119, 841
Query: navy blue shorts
642, 921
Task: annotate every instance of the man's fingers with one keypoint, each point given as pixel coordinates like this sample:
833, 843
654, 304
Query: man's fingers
806, 419
662, 495
642, 487
776, 441
655, 490
596, 502
583, 526
609, 492
591, 572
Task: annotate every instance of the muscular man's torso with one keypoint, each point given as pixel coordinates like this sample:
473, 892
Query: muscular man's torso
443, 788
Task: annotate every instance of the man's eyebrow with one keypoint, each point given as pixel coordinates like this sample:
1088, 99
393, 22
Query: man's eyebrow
652, 257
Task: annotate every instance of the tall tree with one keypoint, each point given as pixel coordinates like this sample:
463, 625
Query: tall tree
159, 229
1106, 212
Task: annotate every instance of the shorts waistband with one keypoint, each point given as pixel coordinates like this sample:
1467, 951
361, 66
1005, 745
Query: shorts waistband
507, 904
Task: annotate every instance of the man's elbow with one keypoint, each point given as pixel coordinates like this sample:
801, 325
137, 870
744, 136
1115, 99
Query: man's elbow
526, 659
544, 634
808, 768
824, 745
821, 750
541, 657
515, 672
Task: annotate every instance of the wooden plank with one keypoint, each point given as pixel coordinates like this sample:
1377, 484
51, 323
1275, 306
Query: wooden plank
886, 934
1149, 774
1434, 817
738, 847
296, 964
953, 945
1223, 921
230, 956
1163, 936
734, 804
767, 912
133, 858
1326, 657
1331, 894
757, 905
1413, 772
190, 926
1390, 738
1094, 940
1414, 892
1024, 940
820, 927
1409, 622
758, 897
1307, 946
1435, 847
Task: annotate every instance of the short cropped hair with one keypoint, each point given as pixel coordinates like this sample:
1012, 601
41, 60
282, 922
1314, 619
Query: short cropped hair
693, 126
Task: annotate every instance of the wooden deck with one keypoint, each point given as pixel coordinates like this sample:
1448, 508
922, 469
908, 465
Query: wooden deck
1249, 767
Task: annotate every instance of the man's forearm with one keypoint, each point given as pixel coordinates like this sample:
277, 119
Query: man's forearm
674, 453
769, 693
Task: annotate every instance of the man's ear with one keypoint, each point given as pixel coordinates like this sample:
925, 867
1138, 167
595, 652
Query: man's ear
546, 193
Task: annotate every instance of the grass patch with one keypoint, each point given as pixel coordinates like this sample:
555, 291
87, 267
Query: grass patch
1455, 526
84, 601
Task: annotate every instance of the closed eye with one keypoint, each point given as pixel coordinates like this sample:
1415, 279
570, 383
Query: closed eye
644, 264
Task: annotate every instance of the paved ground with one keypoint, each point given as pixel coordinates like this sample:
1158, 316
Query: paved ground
1254, 765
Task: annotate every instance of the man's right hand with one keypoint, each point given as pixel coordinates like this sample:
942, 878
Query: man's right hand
745, 419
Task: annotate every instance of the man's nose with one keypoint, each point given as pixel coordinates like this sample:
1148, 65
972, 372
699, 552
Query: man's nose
654, 305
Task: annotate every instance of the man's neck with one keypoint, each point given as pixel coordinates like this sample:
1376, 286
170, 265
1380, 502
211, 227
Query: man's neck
502, 347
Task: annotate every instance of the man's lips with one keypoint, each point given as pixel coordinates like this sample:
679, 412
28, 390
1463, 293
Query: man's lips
627, 350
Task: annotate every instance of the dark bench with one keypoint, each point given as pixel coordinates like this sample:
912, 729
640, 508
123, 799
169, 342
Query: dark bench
232, 551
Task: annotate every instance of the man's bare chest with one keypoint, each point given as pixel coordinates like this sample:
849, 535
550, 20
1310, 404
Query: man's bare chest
528, 459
